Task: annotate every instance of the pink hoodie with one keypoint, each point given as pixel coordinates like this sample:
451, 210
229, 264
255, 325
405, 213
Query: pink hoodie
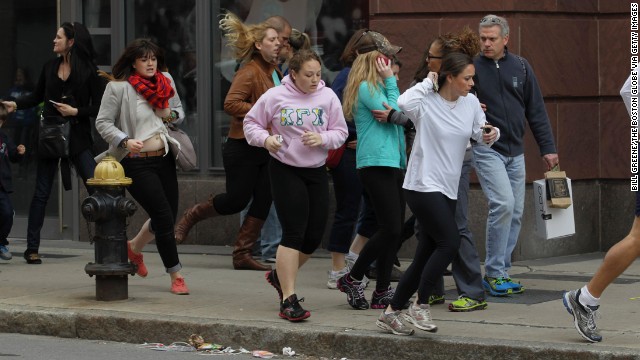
290, 112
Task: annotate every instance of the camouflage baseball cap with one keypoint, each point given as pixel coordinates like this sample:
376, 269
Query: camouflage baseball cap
377, 42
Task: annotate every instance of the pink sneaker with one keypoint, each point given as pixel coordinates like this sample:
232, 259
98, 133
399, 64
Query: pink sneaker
178, 287
138, 260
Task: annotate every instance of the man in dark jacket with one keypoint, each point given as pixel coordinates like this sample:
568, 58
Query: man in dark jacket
506, 84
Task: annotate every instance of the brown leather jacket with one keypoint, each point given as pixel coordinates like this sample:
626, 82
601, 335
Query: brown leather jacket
249, 83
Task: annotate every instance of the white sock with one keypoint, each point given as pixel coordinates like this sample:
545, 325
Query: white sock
586, 299
352, 255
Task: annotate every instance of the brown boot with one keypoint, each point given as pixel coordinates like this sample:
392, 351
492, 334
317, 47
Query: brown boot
193, 215
247, 237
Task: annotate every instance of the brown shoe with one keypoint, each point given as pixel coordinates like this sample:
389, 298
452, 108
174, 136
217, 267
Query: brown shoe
193, 215
247, 237
32, 258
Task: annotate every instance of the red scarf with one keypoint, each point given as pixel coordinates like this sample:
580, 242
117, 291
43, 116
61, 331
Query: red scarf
157, 90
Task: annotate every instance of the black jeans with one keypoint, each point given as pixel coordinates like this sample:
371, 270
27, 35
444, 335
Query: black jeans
155, 188
438, 243
246, 169
383, 185
46, 171
301, 197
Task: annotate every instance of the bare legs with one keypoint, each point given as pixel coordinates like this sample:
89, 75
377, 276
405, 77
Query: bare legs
142, 238
288, 261
617, 260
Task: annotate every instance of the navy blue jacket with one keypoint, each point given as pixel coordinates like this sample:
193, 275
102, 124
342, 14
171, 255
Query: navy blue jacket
510, 91
8, 152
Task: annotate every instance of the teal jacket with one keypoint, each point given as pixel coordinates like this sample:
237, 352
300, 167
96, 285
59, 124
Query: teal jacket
379, 143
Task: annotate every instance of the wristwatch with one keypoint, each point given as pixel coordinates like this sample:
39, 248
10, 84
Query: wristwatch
123, 143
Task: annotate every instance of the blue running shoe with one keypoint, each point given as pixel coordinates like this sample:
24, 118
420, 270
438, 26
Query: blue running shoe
496, 286
5, 254
516, 287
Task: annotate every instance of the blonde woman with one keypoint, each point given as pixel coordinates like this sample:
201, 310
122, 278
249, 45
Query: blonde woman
245, 165
380, 159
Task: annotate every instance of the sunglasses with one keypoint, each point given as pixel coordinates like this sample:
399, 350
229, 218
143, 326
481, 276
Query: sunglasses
492, 20
431, 57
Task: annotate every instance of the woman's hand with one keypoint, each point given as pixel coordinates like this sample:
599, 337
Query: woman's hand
312, 139
489, 134
352, 144
10, 106
135, 145
382, 115
65, 110
384, 68
162, 113
272, 144
433, 76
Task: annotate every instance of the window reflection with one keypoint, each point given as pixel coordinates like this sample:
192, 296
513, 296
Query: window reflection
171, 24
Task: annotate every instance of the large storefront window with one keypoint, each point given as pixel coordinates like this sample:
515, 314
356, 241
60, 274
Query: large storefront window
172, 25
329, 24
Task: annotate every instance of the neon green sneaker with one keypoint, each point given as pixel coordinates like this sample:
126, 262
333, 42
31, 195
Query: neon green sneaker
436, 299
465, 304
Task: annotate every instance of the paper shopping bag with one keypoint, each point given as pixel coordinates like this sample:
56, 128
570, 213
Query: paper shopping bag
558, 194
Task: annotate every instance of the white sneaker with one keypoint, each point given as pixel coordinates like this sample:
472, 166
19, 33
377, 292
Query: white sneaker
420, 317
334, 276
350, 260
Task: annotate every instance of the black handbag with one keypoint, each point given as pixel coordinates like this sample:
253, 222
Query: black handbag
54, 137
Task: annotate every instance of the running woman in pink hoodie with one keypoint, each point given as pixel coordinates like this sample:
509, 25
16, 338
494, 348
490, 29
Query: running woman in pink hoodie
298, 123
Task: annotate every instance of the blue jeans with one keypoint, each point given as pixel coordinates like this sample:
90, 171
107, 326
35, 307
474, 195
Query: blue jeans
84, 165
503, 181
271, 232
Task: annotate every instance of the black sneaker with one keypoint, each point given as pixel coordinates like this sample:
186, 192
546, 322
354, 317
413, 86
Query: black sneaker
380, 300
272, 278
354, 291
291, 310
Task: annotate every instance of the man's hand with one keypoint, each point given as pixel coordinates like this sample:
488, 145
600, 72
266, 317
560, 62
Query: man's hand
551, 160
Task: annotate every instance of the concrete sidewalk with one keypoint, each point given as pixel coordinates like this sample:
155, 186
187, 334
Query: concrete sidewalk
238, 308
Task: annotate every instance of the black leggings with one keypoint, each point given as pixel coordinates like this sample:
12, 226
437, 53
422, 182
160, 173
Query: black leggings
383, 185
246, 168
438, 243
301, 197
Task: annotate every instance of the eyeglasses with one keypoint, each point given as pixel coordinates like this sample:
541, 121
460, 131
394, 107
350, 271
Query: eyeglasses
431, 57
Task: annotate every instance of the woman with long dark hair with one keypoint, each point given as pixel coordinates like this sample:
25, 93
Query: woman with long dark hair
138, 101
446, 117
70, 87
